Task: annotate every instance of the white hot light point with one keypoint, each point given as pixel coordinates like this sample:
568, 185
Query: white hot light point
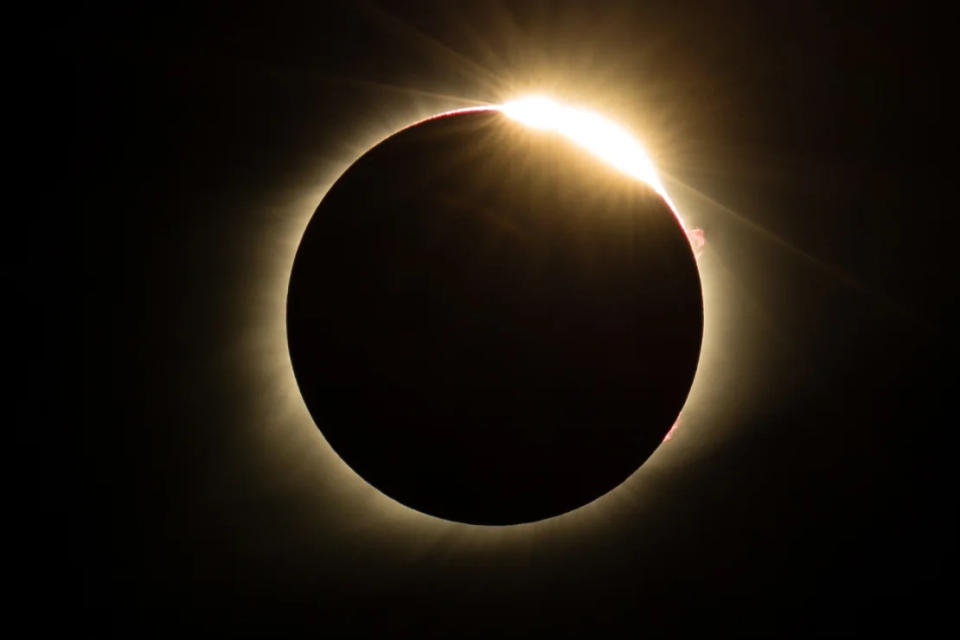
604, 139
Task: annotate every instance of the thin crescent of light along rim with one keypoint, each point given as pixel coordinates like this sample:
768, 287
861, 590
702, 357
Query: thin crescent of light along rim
592, 132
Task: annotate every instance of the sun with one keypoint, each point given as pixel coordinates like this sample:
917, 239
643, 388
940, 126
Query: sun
489, 354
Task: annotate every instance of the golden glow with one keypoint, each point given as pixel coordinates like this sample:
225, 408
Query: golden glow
601, 137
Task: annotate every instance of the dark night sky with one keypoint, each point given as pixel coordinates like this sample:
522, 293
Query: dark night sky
812, 490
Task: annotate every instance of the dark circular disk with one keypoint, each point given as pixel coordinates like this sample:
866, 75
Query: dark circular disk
491, 325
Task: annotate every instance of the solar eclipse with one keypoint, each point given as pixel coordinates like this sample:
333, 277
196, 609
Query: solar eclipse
492, 322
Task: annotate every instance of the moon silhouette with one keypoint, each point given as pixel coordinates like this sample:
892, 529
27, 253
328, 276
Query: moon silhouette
491, 325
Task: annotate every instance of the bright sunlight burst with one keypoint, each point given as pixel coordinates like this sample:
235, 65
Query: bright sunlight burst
606, 140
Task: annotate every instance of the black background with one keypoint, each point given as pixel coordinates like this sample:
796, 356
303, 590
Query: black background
815, 495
